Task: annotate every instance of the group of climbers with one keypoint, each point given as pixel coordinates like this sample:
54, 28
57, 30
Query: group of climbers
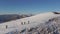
21, 23
24, 23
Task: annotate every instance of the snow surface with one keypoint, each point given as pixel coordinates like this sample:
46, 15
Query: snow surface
29, 22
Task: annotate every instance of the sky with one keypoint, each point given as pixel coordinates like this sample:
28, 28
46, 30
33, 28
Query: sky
28, 6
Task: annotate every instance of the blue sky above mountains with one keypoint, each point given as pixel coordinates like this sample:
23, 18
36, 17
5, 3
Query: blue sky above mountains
28, 6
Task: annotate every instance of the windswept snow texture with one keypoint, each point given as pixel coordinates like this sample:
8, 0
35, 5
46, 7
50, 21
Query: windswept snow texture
45, 23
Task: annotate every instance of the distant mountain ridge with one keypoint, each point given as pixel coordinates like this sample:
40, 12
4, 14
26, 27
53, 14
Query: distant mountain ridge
9, 17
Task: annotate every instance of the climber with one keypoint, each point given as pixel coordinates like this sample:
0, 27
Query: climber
6, 26
28, 22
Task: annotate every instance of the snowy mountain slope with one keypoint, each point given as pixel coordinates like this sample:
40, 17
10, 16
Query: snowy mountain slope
26, 23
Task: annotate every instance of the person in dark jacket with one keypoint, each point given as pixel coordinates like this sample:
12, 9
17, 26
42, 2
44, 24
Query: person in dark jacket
6, 26
28, 22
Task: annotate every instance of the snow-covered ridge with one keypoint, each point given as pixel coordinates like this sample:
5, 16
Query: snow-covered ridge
28, 22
